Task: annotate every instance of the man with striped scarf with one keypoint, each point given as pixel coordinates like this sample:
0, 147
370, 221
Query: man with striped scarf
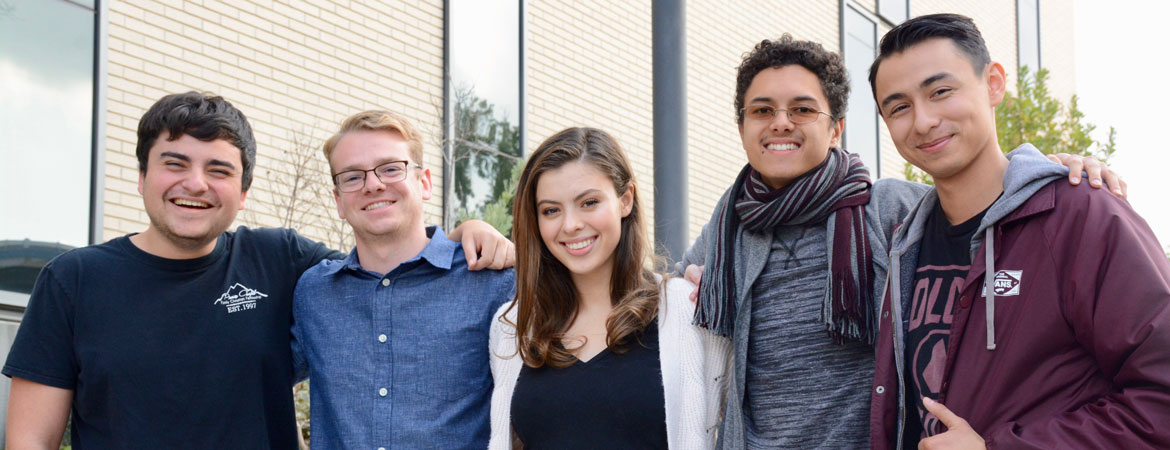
792, 258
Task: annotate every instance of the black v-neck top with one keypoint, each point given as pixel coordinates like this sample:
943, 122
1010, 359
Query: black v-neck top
611, 401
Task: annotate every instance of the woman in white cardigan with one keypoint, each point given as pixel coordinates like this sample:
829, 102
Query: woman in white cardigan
606, 356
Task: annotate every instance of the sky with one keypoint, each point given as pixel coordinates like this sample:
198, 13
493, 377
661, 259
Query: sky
1121, 80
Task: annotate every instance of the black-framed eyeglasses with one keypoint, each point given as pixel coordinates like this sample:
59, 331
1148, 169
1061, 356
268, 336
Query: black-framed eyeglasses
796, 114
387, 172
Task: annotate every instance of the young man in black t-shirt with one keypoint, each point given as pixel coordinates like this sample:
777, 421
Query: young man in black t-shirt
176, 337
943, 262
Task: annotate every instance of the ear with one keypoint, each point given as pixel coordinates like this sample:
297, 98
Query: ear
337, 201
141, 180
243, 196
835, 133
996, 82
425, 179
627, 200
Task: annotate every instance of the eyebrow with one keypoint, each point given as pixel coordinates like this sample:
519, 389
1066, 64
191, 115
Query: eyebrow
799, 98
185, 158
219, 162
578, 197
934, 79
927, 82
385, 161
178, 156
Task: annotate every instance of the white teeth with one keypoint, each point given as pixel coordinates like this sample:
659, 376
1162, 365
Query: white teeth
182, 202
782, 147
579, 245
377, 205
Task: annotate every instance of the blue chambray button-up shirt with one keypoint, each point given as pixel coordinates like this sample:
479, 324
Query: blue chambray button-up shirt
398, 361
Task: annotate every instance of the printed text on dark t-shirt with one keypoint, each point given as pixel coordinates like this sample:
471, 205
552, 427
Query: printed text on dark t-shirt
935, 299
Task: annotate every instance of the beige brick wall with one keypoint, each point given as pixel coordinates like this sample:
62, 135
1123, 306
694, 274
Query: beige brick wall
1057, 49
589, 64
717, 38
296, 68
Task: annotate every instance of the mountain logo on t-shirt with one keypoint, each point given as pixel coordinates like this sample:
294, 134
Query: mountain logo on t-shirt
239, 298
1007, 282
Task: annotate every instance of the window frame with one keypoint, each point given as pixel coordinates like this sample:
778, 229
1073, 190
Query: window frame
845, 7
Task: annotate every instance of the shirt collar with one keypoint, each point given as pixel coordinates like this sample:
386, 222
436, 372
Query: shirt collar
439, 252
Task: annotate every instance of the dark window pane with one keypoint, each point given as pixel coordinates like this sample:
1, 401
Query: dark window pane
46, 81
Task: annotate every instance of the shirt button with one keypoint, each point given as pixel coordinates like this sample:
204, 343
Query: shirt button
880, 389
383, 392
385, 282
381, 338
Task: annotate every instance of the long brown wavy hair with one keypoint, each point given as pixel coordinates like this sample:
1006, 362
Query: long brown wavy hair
546, 298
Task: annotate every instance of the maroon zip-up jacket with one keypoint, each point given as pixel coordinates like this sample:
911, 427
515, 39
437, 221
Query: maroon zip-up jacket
1081, 329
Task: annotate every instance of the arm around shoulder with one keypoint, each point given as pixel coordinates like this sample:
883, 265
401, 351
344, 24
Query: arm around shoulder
36, 415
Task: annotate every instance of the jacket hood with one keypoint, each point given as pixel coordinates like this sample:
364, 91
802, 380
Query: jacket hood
1028, 171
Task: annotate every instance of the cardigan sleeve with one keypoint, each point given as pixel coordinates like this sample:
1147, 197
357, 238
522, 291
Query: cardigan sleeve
701, 360
505, 365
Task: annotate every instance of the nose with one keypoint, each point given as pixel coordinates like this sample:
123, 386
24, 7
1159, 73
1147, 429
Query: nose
372, 183
924, 119
195, 182
572, 223
781, 121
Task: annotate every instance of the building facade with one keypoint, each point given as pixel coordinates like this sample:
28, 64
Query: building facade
485, 81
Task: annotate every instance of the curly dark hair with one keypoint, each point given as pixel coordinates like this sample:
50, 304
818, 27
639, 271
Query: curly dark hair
773, 54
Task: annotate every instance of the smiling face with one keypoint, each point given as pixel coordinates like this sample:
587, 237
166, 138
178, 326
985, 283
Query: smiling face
580, 218
379, 210
192, 191
778, 149
939, 108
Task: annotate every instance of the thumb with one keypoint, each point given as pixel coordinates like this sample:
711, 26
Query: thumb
944, 415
